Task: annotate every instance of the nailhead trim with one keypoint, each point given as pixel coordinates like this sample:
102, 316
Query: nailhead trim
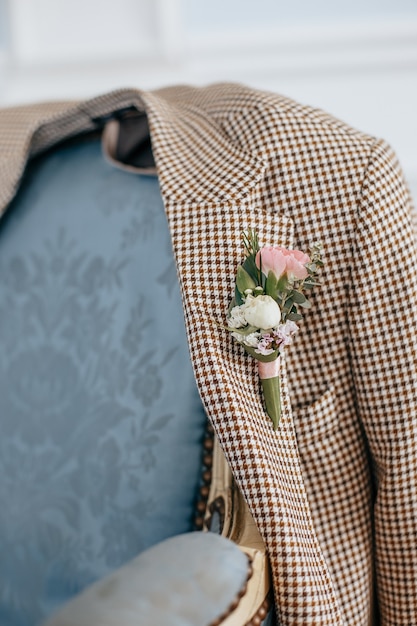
201, 503
236, 601
261, 613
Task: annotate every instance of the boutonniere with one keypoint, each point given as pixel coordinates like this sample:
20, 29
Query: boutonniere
270, 292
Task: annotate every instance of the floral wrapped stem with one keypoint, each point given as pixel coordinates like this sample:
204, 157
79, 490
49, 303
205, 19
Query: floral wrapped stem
271, 387
269, 295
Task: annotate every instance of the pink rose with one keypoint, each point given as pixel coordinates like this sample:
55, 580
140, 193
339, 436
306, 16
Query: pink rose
273, 260
296, 262
281, 261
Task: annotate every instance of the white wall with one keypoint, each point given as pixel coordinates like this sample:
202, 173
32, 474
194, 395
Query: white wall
357, 59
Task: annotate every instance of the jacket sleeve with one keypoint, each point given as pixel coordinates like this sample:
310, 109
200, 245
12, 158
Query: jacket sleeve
383, 344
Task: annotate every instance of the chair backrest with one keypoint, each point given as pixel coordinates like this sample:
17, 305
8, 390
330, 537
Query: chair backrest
101, 422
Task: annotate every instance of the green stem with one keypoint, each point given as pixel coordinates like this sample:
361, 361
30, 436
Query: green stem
272, 394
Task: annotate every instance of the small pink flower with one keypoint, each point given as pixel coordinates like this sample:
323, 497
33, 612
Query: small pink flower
281, 261
264, 347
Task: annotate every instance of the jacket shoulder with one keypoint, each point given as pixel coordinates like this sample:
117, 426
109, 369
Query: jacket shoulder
223, 100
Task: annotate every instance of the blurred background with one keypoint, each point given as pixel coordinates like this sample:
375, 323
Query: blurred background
357, 59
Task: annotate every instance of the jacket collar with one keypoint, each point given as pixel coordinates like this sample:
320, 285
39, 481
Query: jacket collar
196, 161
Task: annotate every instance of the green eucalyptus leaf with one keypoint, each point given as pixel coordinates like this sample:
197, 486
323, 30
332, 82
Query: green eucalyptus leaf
306, 304
294, 317
249, 266
288, 304
271, 285
310, 283
298, 297
244, 280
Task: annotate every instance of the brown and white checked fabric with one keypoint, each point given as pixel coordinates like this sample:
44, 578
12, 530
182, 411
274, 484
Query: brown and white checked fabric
334, 489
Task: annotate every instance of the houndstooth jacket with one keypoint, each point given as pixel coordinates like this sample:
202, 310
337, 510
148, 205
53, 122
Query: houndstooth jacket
334, 489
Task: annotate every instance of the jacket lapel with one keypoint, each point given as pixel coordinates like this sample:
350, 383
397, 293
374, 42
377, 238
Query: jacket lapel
211, 191
208, 206
265, 464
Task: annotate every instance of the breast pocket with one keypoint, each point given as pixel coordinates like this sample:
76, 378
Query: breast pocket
318, 421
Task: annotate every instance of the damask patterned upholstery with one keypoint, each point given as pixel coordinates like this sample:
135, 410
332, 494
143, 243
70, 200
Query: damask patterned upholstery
100, 416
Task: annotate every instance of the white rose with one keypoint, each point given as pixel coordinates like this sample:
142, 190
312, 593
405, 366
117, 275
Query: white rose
262, 312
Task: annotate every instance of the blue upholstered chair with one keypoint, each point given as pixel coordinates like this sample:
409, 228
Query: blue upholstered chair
104, 452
